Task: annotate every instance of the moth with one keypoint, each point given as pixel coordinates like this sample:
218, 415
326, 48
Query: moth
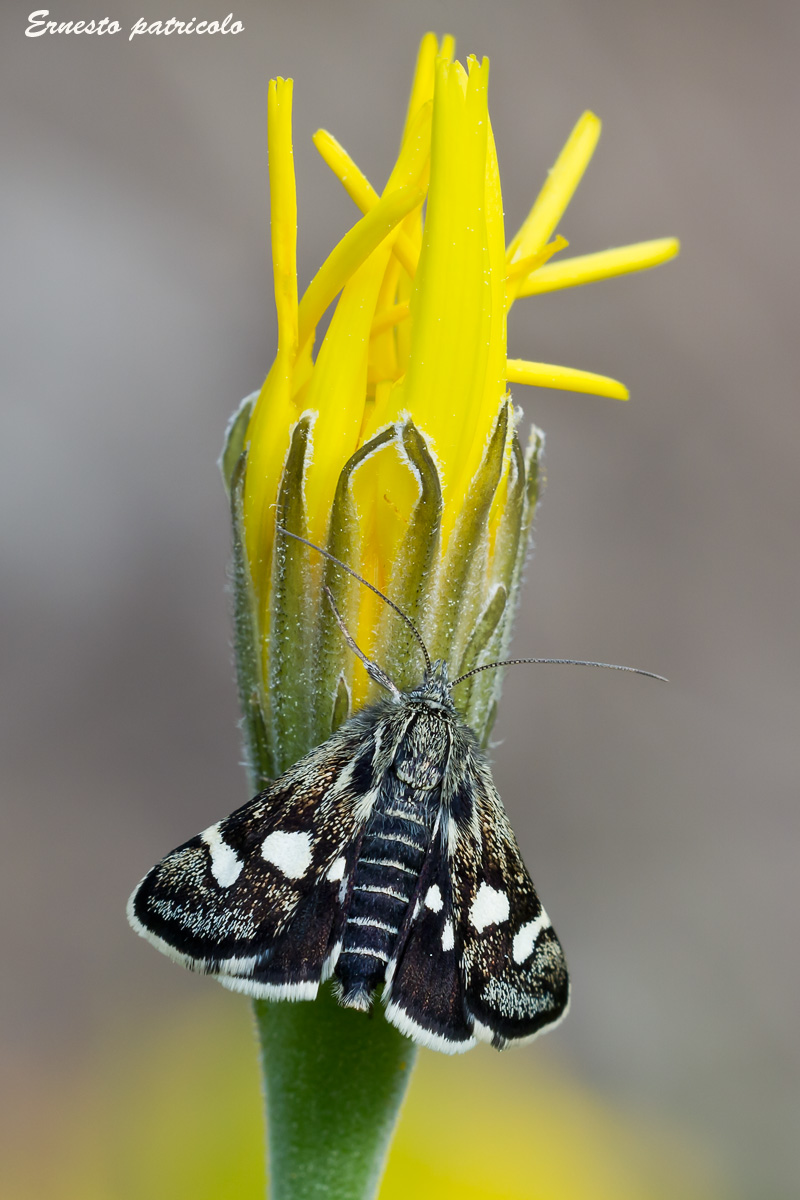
384, 859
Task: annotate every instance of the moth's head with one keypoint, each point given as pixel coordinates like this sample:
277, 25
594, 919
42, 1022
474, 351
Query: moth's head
435, 686
438, 672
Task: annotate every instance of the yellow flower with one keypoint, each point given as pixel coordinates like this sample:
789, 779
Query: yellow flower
395, 444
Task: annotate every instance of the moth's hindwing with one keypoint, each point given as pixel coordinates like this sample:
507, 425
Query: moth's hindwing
424, 994
259, 898
513, 967
477, 958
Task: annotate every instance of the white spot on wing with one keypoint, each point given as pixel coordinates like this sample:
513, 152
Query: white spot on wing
226, 866
289, 852
448, 936
526, 935
433, 900
489, 907
336, 870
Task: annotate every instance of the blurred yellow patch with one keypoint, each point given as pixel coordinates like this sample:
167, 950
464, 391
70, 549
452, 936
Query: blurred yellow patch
175, 1115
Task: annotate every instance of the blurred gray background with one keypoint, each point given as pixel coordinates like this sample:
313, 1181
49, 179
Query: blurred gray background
660, 823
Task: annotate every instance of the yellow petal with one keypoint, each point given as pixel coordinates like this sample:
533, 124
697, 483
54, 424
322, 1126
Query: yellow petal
424, 73
523, 267
389, 317
383, 363
564, 378
338, 387
494, 277
385, 491
349, 174
421, 94
587, 268
411, 168
450, 304
558, 189
273, 415
354, 248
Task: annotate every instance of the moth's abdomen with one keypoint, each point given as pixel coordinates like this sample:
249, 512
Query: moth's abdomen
393, 850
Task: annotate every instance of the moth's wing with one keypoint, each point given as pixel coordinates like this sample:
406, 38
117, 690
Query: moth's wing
424, 992
514, 972
259, 898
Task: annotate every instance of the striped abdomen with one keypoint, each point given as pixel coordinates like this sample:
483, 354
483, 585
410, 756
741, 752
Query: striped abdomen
393, 850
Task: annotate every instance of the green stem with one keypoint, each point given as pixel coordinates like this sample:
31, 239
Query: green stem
334, 1081
334, 1078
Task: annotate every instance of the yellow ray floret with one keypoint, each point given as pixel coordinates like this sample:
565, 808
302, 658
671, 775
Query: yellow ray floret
558, 190
273, 415
522, 268
283, 210
454, 331
567, 379
360, 190
425, 282
353, 250
349, 174
588, 268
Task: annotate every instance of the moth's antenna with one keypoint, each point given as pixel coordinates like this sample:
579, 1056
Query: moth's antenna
573, 662
373, 670
367, 584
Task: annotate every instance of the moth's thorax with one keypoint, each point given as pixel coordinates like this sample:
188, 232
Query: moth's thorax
422, 753
421, 757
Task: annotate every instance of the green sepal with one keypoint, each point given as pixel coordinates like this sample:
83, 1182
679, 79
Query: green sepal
291, 682
509, 533
486, 626
469, 695
246, 642
490, 720
414, 566
462, 573
233, 442
533, 469
486, 696
485, 688
334, 657
533, 481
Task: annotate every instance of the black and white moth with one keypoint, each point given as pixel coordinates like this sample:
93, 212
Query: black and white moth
385, 858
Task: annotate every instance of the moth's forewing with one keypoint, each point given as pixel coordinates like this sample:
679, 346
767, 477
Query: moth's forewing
515, 974
257, 898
